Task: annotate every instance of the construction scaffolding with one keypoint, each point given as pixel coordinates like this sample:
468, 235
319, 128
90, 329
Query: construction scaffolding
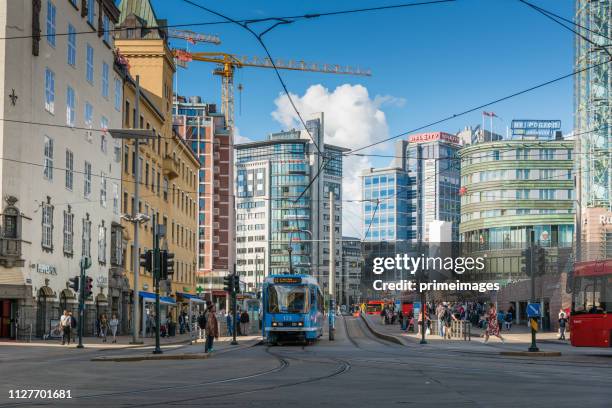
593, 94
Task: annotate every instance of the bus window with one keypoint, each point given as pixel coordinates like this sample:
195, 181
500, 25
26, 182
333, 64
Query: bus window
287, 299
590, 295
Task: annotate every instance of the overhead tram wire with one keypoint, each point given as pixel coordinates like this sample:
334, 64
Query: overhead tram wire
477, 108
309, 16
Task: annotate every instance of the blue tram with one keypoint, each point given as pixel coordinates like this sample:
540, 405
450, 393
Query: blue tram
292, 308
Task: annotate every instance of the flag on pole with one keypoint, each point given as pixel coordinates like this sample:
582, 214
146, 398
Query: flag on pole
489, 114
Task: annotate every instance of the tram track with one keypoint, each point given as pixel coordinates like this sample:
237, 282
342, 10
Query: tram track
283, 364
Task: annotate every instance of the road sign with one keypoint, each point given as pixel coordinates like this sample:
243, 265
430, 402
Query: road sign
533, 310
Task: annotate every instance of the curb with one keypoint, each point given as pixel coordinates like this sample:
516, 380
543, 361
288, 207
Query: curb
185, 356
383, 336
531, 353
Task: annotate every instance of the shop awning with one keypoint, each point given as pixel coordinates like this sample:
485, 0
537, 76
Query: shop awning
150, 297
190, 297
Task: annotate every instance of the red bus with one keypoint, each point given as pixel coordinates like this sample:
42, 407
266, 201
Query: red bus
375, 307
591, 317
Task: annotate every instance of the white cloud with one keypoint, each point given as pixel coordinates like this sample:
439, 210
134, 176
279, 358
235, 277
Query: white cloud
238, 138
352, 119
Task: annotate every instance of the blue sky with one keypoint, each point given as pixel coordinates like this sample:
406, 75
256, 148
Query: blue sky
440, 59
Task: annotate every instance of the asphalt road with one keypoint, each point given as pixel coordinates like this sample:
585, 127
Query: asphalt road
356, 370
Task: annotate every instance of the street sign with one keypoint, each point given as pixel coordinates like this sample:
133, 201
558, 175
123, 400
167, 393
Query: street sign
533, 310
416, 305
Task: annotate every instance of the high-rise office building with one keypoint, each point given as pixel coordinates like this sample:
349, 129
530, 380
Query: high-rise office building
593, 127
205, 130
270, 214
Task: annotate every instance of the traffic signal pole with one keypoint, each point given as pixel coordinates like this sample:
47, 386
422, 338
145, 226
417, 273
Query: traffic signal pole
533, 347
235, 282
156, 259
81, 303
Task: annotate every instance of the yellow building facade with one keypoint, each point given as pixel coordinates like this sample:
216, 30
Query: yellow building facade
168, 167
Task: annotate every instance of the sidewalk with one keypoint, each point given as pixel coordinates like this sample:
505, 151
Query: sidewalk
186, 352
518, 339
96, 342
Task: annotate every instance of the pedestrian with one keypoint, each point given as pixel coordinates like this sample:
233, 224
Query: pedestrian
447, 317
492, 324
440, 317
212, 328
500, 319
65, 326
201, 325
103, 327
73, 326
562, 324
237, 326
508, 319
244, 323
383, 315
114, 325
230, 324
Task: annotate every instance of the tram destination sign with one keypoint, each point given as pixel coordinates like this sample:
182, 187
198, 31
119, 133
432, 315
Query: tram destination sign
288, 279
535, 127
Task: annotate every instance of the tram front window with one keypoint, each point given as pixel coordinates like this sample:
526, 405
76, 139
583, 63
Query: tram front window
287, 299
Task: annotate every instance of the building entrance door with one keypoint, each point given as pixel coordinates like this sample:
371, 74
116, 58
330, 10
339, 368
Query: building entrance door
6, 319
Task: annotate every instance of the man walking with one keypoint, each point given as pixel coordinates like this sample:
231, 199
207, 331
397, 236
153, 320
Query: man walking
66, 325
244, 323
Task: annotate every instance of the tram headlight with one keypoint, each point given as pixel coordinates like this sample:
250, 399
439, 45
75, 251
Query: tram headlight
300, 324
274, 324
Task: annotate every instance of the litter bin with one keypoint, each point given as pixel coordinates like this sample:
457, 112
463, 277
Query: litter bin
172, 329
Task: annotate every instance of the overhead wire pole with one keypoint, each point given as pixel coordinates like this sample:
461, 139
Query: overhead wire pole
136, 135
332, 265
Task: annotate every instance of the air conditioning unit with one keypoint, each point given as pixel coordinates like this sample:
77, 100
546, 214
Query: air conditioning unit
216, 210
216, 239
215, 225
217, 183
217, 169
217, 156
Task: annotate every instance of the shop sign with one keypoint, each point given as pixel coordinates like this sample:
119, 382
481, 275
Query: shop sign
46, 269
102, 281
606, 219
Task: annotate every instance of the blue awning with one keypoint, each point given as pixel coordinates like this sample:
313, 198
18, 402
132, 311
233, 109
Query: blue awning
163, 299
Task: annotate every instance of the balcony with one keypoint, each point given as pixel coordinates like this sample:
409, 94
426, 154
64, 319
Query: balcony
170, 167
10, 252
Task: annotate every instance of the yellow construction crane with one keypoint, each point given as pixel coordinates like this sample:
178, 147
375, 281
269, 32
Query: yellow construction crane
228, 63
193, 37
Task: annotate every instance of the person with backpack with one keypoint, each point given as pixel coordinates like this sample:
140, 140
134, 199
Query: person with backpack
447, 318
244, 323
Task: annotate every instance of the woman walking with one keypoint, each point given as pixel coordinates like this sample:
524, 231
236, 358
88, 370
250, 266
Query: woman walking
103, 327
114, 324
492, 324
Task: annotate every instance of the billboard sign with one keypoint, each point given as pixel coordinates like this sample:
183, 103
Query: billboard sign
529, 128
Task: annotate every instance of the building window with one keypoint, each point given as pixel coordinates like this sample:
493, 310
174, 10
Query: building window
51, 10
48, 158
70, 106
91, 11
106, 27
103, 190
116, 245
49, 90
102, 243
68, 231
105, 80
87, 180
118, 94
71, 45
69, 169
103, 138
86, 237
47, 225
115, 198
89, 71
88, 115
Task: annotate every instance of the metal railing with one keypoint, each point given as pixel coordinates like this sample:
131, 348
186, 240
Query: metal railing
459, 329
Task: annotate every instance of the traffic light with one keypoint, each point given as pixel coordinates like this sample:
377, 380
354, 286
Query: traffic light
88, 286
74, 283
146, 259
228, 283
167, 265
236, 283
526, 261
540, 261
